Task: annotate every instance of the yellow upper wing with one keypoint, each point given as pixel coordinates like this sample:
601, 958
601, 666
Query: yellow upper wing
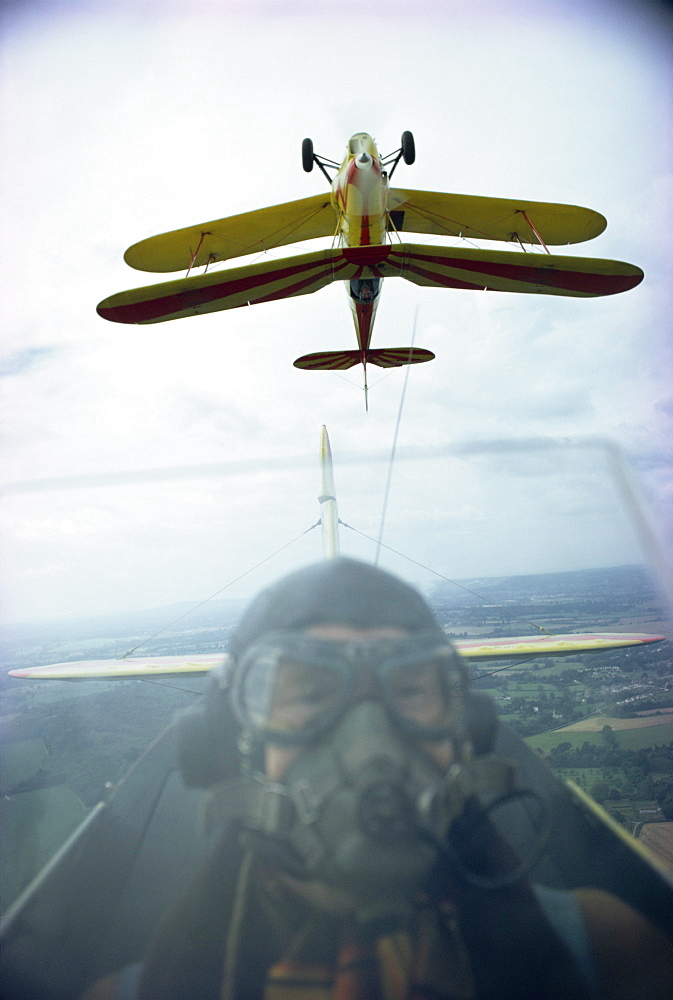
475, 217
252, 232
124, 669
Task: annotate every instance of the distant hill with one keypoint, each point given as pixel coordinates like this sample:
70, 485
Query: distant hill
610, 582
491, 605
34, 644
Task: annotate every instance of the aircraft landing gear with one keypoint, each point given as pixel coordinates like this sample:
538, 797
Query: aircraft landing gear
408, 148
308, 158
406, 152
307, 155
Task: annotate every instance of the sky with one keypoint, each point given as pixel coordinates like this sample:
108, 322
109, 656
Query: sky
144, 466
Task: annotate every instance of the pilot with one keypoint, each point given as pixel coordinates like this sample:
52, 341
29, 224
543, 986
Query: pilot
363, 290
348, 768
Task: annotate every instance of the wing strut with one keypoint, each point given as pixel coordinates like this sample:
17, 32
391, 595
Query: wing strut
542, 242
196, 252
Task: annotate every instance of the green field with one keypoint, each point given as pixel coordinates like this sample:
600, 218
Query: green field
649, 736
559, 667
547, 741
586, 777
627, 739
530, 689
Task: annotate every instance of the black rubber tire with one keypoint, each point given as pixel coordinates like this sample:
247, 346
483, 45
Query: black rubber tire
408, 148
307, 155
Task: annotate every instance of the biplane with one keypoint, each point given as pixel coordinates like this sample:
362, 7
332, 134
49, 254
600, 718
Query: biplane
366, 217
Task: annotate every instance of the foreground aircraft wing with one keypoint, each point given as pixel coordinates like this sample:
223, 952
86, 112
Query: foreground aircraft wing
473, 217
143, 667
252, 232
550, 645
123, 669
441, 267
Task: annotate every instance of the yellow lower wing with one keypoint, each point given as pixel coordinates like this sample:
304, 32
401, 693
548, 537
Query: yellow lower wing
473, 217
252, 232
551, 645
129, 669
472, 649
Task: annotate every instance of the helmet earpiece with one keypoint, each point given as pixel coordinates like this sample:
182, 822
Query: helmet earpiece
207, 736
481, 721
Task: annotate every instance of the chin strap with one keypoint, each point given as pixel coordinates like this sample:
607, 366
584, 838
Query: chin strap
279, 817
260, 804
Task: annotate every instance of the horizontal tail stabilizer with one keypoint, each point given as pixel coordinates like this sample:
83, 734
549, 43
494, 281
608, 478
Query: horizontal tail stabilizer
385, 357
395, 357
334, 361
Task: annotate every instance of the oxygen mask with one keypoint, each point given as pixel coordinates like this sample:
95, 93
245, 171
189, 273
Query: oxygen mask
380, 764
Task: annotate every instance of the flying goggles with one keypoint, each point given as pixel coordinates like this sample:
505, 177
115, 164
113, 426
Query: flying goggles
292, 687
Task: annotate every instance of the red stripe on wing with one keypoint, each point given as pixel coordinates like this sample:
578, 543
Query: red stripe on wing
549, 276
445, 280
369, 255
194, 295
289, 290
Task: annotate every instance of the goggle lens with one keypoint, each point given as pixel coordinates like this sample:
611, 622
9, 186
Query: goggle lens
291, 697
292, 694
418, 693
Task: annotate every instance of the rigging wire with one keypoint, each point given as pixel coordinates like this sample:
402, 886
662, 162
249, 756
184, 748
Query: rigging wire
220, 591
391, 462
508, 666
172, 687
356, 386
490, 604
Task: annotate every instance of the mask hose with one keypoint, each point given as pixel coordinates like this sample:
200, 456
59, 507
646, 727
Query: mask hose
447, 850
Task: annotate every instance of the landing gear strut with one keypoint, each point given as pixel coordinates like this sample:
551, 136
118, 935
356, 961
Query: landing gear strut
406, 152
